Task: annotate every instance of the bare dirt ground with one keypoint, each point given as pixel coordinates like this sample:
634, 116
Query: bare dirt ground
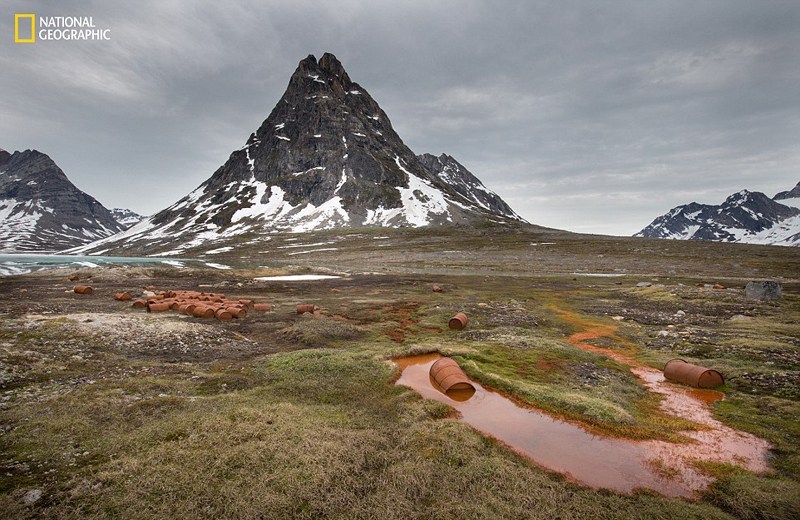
107, 410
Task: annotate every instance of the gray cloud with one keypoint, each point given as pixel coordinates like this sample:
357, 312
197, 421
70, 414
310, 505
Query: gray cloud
590, 116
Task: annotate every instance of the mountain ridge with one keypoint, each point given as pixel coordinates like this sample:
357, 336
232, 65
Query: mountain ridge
745, 216
42, 211
325, 157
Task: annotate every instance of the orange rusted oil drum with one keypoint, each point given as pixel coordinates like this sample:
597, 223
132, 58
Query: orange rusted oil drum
223, 314
680, 371
458, 322
82, 289
262, 307
305, 307
202, 311
139, 304
247, 303
157, 307
122, 296
449, 377
237, 312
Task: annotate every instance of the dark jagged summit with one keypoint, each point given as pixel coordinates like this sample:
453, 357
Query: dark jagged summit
326, 157
41, 210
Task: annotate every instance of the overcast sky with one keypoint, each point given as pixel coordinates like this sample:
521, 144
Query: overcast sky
588, 116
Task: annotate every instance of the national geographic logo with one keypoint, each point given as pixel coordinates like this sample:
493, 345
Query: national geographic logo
57, 28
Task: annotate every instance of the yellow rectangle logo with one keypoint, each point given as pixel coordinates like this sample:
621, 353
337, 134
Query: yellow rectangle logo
18, 36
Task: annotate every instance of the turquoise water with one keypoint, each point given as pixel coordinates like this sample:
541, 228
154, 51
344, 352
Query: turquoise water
11, 264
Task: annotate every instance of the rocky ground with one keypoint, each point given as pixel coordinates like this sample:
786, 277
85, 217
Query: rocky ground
107, 410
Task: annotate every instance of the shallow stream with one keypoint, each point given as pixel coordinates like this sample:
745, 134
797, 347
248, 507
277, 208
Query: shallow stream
594, 460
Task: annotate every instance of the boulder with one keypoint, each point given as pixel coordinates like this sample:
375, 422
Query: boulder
763, 290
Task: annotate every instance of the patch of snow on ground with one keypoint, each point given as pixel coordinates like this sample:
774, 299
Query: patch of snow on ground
329, 214
167, 253
600, 275
420, 199
297, 174
274, 205
174, 263
217, 266
307, 245
86, 264
313, 251
219, 250
296, 277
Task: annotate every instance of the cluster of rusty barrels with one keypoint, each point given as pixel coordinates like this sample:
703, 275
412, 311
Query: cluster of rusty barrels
197, 304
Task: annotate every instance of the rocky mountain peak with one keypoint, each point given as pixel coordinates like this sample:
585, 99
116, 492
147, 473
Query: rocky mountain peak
325, 157
41, 210
4, 157
794, 193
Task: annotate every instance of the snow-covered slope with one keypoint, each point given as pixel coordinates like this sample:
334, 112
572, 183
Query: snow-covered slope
746, 217
42, 211
326, 157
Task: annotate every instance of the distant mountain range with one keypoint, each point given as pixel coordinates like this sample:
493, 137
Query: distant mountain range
126, 217
42, 211
326, 157
745, 217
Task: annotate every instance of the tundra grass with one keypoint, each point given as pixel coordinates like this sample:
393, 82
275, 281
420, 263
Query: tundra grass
323, 434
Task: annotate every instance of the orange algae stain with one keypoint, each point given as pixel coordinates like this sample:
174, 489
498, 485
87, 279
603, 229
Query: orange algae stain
586, 457
717, 442
590, 458
554, 444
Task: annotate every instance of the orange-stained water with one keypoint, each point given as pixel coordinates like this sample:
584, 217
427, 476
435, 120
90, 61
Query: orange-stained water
594, 460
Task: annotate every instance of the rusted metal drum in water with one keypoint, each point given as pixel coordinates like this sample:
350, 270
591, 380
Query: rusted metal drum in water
450, 379
458, 322
680, 371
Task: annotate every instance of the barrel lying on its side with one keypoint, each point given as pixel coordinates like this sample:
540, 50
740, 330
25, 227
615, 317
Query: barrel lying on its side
448, 376
680, 371
458, 322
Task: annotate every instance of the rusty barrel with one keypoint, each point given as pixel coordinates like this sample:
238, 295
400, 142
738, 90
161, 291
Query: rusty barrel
458, 322
139, 304
237, 312
123, 296
74, 278
262, 307
680, 371
157, 307
82, 289
305, 307
223, 314
202, 311
247, 303
448, 375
